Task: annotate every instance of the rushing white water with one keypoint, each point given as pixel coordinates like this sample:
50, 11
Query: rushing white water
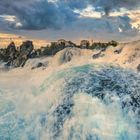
70, 98
89, 102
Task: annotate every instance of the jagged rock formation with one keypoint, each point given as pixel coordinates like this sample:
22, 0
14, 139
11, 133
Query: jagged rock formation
17, 56
8, 54
54, 47
25, 50
14, 57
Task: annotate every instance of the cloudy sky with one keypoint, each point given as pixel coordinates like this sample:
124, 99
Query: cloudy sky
71, 19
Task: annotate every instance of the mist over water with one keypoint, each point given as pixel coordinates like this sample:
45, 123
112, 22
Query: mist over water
89, 102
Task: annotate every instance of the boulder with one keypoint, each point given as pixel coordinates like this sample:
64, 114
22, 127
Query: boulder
95, 56
39, 65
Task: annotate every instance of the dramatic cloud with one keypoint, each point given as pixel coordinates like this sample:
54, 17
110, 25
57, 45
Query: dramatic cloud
89, 15
38, 14
109, 5
42, 14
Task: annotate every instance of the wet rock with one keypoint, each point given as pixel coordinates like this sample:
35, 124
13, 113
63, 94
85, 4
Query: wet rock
25, 51
118, 51
95, 56
26, 48
34, 54
38, 65
68, 54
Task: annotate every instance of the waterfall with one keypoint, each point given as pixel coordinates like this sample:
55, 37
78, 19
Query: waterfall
88, 102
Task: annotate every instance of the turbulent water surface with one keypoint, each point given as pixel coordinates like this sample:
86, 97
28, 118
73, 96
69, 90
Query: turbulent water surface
89, 102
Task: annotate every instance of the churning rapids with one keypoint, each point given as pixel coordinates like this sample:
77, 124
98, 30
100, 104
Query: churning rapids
87, 102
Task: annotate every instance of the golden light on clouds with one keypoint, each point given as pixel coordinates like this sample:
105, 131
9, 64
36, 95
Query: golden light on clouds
134, 15
88, 12
5, 39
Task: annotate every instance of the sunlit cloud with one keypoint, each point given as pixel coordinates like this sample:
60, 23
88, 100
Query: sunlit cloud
8, 18
10, 21
89, 11
108, 16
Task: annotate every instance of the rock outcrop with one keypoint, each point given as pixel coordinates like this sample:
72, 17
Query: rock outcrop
14, 57
25, 51
39, 65
17, 56
66, 55
95, 56
8, 53
53, 48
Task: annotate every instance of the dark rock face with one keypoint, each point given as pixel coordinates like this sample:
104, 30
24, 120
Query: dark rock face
54, 48
95, 56
8, 54
102, 46
14, 57
17, 57
26, 48
99, 46
39, 65
25, 51
11, 50
61, 44
68, 54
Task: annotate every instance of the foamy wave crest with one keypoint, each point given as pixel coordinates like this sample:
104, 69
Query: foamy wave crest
89, 102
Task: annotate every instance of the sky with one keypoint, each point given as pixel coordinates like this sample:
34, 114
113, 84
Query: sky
71, 19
